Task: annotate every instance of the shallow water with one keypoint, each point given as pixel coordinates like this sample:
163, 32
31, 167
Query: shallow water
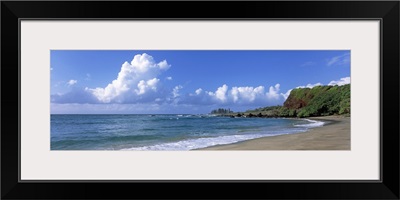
163, 132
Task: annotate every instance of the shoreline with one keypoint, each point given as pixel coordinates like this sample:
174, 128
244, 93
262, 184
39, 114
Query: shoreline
334, 135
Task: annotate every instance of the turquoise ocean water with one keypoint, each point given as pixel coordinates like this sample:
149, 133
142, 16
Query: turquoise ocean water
163, 132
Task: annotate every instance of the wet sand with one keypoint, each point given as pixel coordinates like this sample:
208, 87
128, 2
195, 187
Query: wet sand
334, 135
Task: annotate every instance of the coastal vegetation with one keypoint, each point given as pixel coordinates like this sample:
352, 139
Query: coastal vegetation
221, 111
307, 102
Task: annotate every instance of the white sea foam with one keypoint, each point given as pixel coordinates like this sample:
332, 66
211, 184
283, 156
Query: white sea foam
312, 124
198, 143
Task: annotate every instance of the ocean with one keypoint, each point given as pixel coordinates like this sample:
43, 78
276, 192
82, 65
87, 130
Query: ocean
164, 132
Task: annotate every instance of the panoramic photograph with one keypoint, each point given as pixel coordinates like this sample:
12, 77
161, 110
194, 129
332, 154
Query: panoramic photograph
207, 100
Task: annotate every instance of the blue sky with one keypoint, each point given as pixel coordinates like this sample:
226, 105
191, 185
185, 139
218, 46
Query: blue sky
186, 81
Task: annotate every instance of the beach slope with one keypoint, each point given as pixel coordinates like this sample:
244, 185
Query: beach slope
334, 135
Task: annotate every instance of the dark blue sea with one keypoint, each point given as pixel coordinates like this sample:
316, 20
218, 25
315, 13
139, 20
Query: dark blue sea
163, 132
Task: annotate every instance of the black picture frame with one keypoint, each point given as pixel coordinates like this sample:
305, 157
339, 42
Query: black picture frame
386, 11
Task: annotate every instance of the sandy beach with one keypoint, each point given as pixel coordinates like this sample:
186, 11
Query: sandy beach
334, 135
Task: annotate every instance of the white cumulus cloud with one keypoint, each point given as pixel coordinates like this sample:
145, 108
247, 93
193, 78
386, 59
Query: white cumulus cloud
342, 81
175, 91
273, 92
247, 94
220, 94
72, 82
286, 95
244, 95
135, 78
169, 78
198, 91
309, 85
144, 86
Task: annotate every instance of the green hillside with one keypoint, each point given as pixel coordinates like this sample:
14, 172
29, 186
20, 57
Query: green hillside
306, 102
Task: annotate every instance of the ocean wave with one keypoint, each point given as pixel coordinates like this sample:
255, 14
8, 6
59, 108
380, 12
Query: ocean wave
198, 143
312, 124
